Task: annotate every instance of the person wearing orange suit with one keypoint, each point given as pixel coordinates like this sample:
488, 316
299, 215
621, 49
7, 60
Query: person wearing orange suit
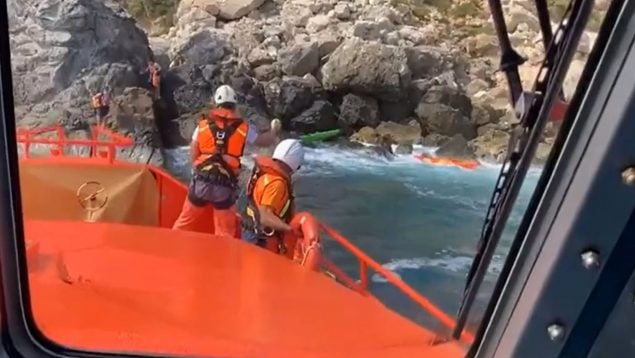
270, 208
101, 104
216, 151
154, 77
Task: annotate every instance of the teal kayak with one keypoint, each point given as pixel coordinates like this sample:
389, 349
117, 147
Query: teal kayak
320, 136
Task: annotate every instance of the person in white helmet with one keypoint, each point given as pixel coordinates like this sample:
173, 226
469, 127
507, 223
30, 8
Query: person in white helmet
269, 195
216, 151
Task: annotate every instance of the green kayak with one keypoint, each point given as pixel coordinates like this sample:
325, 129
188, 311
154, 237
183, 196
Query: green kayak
320, 136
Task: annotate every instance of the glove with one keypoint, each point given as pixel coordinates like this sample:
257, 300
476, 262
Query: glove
276, 125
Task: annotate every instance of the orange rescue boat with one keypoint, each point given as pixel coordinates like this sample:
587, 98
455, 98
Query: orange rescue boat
107, 273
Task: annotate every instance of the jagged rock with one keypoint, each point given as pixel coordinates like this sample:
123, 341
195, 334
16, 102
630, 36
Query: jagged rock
296, 14
412, 34
196, 18
366, 135
260, 56
434, 140
209, 6
482, 45
160, 48
288, 98
425, 61
369, 68
300, 59
373, 30
456, 148
449, 96
319, 117
358, 110
46, 37
475, 86
317, 23
491, 146
202, 48
342, 11
266, 72
400, 133
328, 40
483, 114
446, 111
225, 9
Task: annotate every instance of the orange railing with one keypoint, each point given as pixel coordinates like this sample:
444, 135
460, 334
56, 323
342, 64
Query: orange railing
30, 136
361, 285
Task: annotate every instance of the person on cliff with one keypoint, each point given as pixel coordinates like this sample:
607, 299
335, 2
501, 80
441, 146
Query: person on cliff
269, 206
101, 104
216, 150
154, 77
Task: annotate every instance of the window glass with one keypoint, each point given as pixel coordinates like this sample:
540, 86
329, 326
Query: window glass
140, 241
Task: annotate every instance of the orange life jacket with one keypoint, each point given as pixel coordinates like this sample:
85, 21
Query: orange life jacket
221, 139
266, 171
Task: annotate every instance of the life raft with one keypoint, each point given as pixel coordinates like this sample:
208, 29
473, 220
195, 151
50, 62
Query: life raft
465, 164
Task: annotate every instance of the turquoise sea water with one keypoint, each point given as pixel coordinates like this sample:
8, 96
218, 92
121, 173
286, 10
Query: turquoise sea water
421, 222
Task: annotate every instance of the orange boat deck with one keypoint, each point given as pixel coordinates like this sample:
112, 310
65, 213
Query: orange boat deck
124, 282
129, 288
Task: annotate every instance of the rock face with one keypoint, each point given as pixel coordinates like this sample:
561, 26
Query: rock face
64, 51
400, 72
55, 43
367, 67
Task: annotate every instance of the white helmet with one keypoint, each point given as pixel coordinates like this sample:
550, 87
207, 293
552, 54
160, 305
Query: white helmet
290, 152
224, 94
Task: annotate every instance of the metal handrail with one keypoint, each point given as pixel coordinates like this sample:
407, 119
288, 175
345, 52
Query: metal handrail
29, 136
366, 262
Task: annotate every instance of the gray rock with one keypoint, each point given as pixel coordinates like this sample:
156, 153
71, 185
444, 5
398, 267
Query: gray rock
319, 117
342, 11
56, 42
456, 148
357, 111
318, 23
443, 119
260, 56
296, 14
288, 98
202, 48
368, 68
434, 140
425, 61
328, 40
266, 72
300, 59
400, 133
491, 146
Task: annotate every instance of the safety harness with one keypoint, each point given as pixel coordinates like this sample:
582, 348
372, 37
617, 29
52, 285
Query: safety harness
214, 169
251, 213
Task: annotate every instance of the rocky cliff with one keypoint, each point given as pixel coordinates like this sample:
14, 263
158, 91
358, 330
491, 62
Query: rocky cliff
64, 51
415, 71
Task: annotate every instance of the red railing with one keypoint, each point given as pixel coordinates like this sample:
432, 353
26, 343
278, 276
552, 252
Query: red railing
361, 285
31, 136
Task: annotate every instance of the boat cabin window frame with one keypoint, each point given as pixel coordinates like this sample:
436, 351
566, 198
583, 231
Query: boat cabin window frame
549, 287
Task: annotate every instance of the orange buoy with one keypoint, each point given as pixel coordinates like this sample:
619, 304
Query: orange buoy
308, 250
465, 164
